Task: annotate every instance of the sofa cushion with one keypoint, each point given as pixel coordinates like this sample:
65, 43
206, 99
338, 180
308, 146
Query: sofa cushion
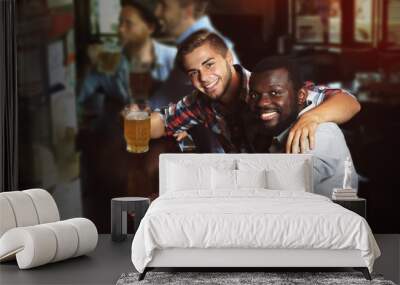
41, 244
26, 208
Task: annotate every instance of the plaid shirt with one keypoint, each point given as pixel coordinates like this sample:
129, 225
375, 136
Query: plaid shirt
197, 109
316, 94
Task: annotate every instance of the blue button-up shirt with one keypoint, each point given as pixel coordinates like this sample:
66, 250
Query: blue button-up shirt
117, 85
329, 155
204, 23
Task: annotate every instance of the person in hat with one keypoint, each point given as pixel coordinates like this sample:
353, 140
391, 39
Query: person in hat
137, 24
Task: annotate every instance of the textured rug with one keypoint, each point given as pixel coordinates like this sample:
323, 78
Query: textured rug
243, 278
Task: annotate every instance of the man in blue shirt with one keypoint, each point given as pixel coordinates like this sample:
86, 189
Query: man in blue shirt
137, 24
277, 97
182, 18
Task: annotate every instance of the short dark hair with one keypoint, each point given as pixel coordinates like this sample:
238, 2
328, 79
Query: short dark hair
200, 6
198, 39
287, 62
146, 12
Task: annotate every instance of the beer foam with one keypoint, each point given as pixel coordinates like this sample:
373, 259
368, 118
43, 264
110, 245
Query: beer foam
134, 115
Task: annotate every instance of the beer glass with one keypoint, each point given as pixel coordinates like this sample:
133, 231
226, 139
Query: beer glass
109, 61
104, 58
137, 127
140, 80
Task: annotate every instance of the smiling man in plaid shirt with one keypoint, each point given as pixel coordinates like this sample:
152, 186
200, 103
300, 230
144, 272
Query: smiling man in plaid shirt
221, 97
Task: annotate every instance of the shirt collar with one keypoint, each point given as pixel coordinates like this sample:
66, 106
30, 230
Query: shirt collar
281, 138
277, 144
157, 51
202, 23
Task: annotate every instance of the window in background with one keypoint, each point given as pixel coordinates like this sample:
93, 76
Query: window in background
104, 20
393, 36
335, 22
309, 26
318, 21
363, 21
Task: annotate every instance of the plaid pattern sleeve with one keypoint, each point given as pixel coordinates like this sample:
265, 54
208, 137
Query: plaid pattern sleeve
318, 93
192, 110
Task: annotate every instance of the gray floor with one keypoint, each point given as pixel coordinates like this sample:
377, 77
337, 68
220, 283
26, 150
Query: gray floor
103, 266
110, 260
389, 262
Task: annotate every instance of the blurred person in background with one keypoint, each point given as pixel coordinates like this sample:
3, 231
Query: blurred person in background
181, 18
111, 70
101, 133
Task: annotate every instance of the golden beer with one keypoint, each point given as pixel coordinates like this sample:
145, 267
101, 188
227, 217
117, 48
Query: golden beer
137, 131
108, 62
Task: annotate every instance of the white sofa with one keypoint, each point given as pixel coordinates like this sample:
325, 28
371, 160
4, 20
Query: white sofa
31, 231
